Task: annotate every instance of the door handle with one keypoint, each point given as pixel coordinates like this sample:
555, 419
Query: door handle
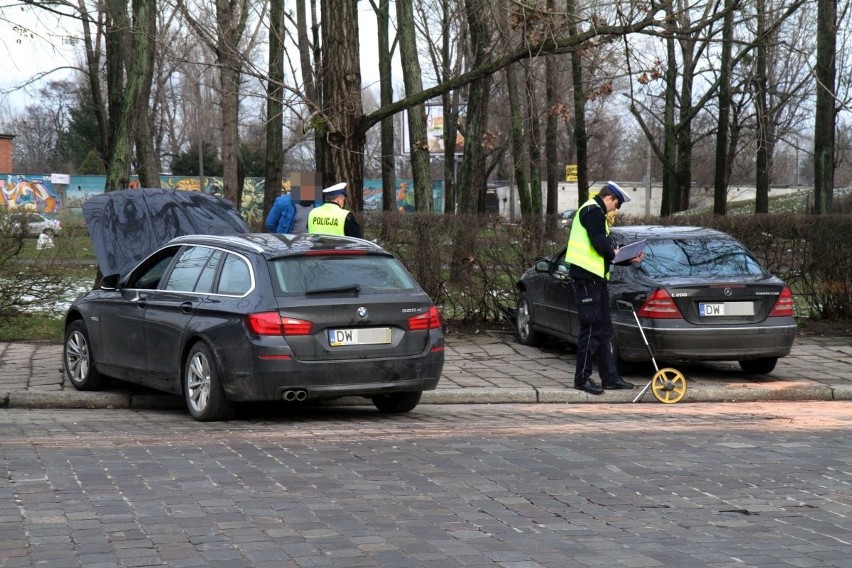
186, 308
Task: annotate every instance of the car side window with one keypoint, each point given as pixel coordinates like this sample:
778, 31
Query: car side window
235, 278
188, 269
206, 280
147, 276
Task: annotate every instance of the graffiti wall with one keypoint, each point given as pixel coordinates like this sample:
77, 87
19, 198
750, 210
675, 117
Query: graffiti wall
37, 192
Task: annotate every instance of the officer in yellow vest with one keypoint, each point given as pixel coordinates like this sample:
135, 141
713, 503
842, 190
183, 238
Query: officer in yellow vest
589, 253
331, 218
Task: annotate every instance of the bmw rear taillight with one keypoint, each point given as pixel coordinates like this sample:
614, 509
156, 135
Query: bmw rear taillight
424, 321
784, 304
271, 323
659, 305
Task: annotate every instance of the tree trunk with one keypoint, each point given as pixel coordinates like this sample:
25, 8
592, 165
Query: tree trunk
469, 183
93, 74
534, 143
720, 183
670, 197
310, 74
344, 160
826, 114
450, 103
388, 159
144, 51
117, 27
580, 135
136, 61
411, 78
760, 85
685, 116
274, 107
519, 158
230, 23
551, 87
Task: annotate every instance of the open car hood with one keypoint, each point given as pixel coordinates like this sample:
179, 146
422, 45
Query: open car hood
126, 226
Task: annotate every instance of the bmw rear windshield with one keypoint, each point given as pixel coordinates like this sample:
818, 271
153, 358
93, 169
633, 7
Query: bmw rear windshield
340, 273
698, 258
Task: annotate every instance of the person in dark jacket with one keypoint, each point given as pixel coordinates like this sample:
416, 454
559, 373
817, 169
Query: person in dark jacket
589, 254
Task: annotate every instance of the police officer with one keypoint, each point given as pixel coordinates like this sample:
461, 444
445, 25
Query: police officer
331, 218
589, 254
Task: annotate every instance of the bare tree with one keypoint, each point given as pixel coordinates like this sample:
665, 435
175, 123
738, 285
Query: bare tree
129, 61
416, 113
826, 114
387, 160
230, 27
274, 107
346, 129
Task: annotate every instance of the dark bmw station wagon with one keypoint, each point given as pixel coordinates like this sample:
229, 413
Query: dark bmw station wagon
260, 317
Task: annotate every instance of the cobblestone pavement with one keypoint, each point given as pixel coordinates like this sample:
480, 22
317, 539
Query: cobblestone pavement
511, 486
488, 367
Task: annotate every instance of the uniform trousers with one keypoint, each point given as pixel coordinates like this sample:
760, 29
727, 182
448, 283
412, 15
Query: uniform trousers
594, 343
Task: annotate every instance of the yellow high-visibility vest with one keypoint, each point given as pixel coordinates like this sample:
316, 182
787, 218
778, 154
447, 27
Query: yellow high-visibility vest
580, 251
329, 219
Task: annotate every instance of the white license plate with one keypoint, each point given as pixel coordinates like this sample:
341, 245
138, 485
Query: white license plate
726, 309
359, 336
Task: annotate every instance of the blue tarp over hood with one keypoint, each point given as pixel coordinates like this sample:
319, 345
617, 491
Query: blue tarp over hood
126, 226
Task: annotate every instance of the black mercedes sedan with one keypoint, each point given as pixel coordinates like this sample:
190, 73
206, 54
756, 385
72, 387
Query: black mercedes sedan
226, 316
698, 294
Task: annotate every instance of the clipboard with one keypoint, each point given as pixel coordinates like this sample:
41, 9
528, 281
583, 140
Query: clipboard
629, 251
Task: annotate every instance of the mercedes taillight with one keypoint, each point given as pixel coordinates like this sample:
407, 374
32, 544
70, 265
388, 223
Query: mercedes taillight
659, 305
784, 304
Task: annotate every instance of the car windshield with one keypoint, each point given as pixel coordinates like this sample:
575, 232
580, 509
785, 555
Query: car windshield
340, 274
688, 258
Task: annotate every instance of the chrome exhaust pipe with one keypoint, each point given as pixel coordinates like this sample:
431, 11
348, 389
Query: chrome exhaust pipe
295, 395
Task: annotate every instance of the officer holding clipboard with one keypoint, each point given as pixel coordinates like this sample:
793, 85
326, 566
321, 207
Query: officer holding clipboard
589, 255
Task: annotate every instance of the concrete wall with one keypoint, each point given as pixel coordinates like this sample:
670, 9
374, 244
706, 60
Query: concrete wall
638, 204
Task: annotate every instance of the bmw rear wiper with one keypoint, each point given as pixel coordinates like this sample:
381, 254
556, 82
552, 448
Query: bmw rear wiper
338, 290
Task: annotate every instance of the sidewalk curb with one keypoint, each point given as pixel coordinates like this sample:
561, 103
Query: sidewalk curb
69, 399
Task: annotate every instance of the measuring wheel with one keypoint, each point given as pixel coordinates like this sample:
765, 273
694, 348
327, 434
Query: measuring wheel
668, 385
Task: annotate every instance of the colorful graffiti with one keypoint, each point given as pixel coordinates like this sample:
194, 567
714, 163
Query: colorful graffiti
29, 192
39, 193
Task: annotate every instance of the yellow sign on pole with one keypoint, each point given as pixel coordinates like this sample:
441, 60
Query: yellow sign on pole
571, 172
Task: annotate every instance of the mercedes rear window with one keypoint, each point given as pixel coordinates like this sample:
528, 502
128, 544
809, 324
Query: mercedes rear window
340, 273
690, 258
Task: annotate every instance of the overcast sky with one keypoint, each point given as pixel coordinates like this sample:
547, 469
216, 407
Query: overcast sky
45, 47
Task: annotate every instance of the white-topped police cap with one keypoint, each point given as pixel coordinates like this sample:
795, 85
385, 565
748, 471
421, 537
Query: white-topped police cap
620, 193
335, 190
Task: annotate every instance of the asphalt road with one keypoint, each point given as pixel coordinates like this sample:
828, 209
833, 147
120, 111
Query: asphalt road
514, 486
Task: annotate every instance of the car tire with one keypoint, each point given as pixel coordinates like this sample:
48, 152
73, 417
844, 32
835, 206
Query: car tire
397, 402
523, 324
202, 387
49, 232
762, 366
78, 361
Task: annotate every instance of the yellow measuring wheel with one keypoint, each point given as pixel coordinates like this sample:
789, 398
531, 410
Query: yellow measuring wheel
668, 385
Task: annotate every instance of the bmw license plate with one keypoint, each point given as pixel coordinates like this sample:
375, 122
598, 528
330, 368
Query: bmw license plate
726, 309
359, 336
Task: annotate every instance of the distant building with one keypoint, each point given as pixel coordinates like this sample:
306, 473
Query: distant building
6, 147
